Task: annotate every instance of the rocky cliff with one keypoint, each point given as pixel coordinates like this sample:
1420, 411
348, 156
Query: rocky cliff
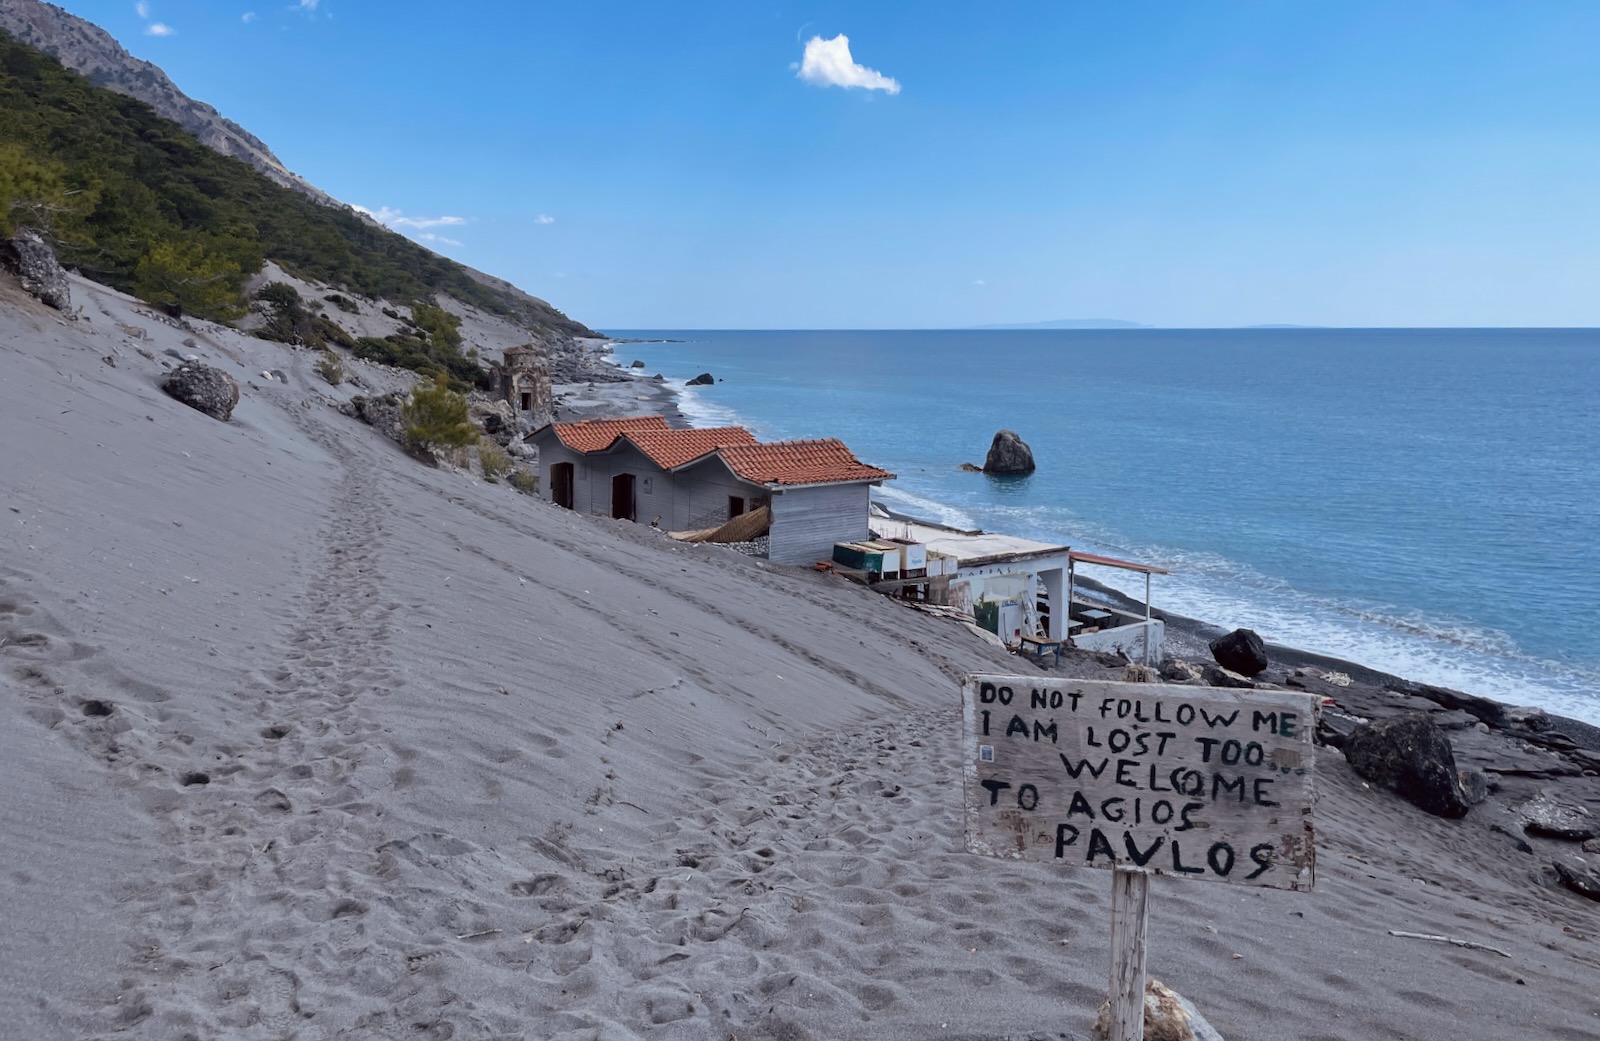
89, 50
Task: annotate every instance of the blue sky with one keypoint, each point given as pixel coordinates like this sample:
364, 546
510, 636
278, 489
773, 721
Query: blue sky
659, 165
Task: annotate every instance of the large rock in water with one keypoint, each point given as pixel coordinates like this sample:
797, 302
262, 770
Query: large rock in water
35, 265
1008, 454
1409, 755
1240, 651
703, 380
202, 387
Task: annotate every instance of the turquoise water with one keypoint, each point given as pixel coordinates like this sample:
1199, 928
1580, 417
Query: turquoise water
1425, 502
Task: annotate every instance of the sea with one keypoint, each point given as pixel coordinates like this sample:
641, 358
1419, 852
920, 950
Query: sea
1424, 502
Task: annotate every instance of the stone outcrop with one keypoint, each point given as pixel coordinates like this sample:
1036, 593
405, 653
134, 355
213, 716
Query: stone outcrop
1176, 670
383, 413
1217, 676
1544, 816
1008, 454
1579, 876
1410, 756
31, 259
204, 388
703, 380
1240, 651
497, 419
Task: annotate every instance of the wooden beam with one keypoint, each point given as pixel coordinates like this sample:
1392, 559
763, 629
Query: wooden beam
1130, 912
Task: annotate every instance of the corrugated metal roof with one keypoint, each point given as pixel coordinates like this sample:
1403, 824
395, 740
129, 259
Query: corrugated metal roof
824, 461
595, 435
1126, 565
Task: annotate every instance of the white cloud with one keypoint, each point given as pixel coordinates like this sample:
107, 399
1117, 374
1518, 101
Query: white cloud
159, 29
979, 282
544, 218
396, 219
309, 5
248, 17
827, 63
428, 236
143, 9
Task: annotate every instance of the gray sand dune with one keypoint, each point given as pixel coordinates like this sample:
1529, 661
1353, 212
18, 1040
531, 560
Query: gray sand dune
302, 739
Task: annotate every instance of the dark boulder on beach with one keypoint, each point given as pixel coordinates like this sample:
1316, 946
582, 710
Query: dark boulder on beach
703, 380
1578, 876
1410, 756
1008, 454
1240, 651
202, 387
638, 363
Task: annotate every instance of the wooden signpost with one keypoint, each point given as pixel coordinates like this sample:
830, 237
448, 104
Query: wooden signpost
1196, 782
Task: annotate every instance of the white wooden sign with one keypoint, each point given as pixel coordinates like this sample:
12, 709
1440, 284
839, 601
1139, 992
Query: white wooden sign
1195, 782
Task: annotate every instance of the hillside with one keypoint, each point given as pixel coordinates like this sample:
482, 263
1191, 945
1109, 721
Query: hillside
138, 202
87, 49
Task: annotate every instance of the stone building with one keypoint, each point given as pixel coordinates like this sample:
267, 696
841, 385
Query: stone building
525, 380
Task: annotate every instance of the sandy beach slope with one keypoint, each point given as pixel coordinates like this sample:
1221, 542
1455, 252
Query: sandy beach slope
301, 739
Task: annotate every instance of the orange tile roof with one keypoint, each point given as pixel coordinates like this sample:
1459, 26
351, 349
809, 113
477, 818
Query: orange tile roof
670, 448
824, 461
596, 435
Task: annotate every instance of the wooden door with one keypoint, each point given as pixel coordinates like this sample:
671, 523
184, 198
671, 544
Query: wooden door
622, 504
561, 484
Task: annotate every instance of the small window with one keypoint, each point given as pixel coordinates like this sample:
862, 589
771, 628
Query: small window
735, 506
646, 486
527, 401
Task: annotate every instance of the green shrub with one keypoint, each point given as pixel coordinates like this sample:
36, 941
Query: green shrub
343, 303
524, 481
438, 325
495, 461
288, 321
331, 368
331, 332
436, 417
186, 276
405, 351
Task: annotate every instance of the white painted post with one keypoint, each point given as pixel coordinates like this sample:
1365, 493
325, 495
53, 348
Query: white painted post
1147, 634
1066, 616
1130, 911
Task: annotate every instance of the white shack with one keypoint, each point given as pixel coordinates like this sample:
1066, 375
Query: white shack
640, 469
1013, 587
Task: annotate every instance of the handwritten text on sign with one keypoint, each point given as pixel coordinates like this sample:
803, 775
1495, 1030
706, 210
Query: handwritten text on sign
1197, 782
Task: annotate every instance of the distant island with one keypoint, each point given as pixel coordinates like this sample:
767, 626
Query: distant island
1071, 323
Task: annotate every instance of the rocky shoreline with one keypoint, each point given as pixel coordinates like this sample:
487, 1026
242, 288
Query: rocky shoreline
587, 382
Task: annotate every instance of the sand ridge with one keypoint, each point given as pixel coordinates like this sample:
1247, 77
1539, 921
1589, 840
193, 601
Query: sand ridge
306, 740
